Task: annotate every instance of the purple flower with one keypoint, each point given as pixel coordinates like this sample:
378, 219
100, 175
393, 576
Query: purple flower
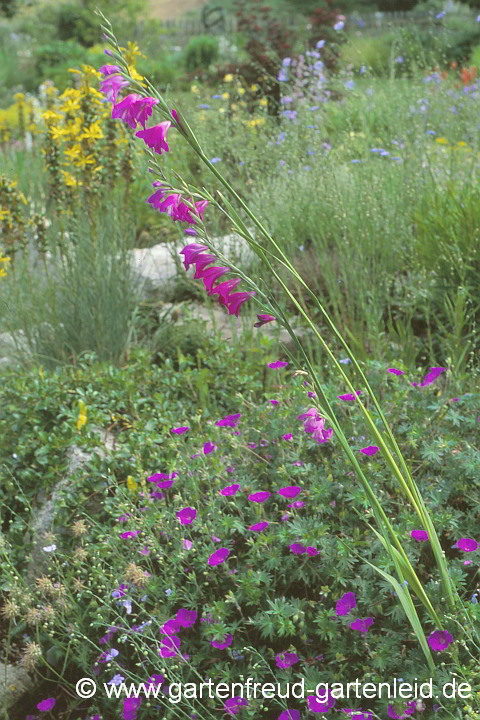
227, 641
430, 377
156, 137
209, 448
298, 548
130, 707
259, 526
129, 534
228, 421
187, 544
290, 492
347, 602
395, 371
180, 430
370, 450
339, 25
277, 364
187, 515
259, 496
186, 618
134, 109
230, 490
288, 436
286, 660
348, 397
170, 645
466, 544
321, 704
46, 705
218, 556
264, 319
420, 535
362, 624
232, 705
289, 715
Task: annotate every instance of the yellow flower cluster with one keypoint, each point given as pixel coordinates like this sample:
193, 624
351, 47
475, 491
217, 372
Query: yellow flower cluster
3, 272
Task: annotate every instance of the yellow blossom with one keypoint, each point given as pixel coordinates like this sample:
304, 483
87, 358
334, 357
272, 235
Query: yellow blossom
73, 152
234, 106
241, 91
135, 75
221, 110
71, 105
194, 89
82, 162
50, 115
441, 140
131, 484
94, 132
70, 180
228, 78
82, 418
226, 95
57, 132
263, 102
19, 97
253, 88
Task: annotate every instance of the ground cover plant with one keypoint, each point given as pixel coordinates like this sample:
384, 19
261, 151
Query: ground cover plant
299, 567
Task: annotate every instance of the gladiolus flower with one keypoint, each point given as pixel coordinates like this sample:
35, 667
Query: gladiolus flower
264, 319
134, 109
234, 301
156, 137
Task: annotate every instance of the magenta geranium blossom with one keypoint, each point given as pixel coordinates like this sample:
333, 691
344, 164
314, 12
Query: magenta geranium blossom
46, 705
321, 704
439, 640
370, 450
395, 371
362, 625
289, 715
259, 496
430, 377
187, 515
130, 707
298, 548
466, 544
258, 527
286, 660
347, 602
229, 490
232, 705
180, 430
227, 641
218, 557
186, 618
290, 492
169, 646
228, 421
420, 535
209, 448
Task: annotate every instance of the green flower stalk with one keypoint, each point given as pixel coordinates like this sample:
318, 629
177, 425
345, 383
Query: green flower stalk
137, 107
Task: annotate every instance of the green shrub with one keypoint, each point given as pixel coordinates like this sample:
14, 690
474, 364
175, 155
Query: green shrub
475, 56
374, 52
200, 52
53, 61
77, 23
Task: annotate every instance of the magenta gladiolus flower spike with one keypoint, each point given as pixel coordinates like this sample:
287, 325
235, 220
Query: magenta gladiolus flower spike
439, 641
200, 263
112, 83
224, 288
134, 109
156, 137
211, 275
264, 319
234, 301
189, 252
